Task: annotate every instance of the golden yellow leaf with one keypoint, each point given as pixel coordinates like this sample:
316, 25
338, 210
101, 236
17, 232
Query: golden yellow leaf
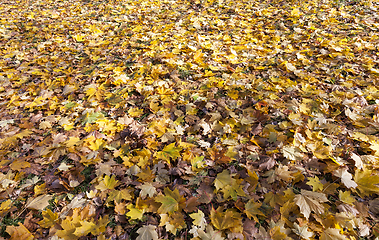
135, 112
346, 197
134, 213
49, 219
107, 183
367, 181
225, 220
315, 183
19, 233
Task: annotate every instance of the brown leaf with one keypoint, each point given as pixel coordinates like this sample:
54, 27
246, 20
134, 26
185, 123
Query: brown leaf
249, 229
191, 204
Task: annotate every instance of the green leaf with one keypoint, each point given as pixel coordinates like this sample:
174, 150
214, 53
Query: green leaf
171, 202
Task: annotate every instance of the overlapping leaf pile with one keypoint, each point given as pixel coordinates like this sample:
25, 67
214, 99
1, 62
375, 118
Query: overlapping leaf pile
189, 119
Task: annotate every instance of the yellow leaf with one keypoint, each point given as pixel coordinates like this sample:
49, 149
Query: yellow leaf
44, 125
19, 233
19, 164
134, 213
197, 163
79, 37
332, 234
366, 182
295, 12
375, 147
49, 219
39, 189
72, 141
225, 220
198, 57
346, 197
5, 206
107, 183
223, 179
199, 219
169, 151
85, 228
118, 195
315, 183
97, 144
252, 209
135, 112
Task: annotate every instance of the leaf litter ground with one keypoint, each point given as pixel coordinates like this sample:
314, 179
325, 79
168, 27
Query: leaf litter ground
189, 119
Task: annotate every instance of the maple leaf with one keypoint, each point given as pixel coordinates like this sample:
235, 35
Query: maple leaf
197, 163
30, 182
147, 232
302, 231
49, 219
5, 206
234, 190
225, 220
177, 221
273, 199
19, 233
85, 228
332, 234
68, 229
120, 208
134, 213
292, 153
172, 201
223, 179
276, 90
276, 233
252, 179
366, 182
118, 195
310, 202
252, 210
346, 197
198, 219
169, 152
173, 222
107, 183
315, 183
210, 234
147, 189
